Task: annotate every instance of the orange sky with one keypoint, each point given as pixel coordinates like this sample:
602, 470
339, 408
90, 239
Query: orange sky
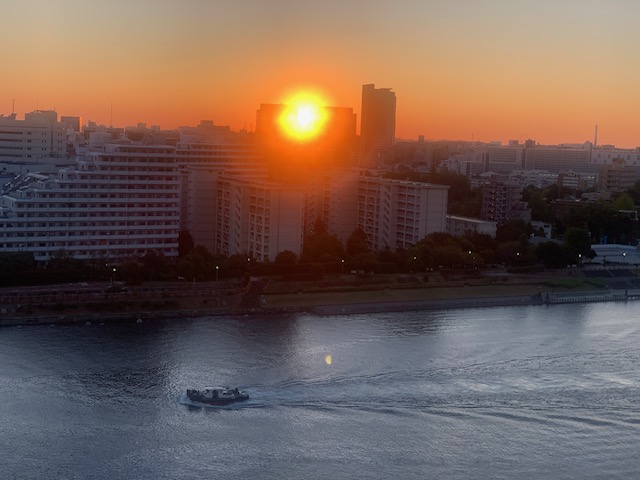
489, 70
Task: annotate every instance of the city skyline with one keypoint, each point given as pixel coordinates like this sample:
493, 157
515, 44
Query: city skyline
461, 70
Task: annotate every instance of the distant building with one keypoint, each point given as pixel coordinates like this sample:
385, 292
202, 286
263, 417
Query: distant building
377, 122
576, 181
38, 135
74, 123
544, 227
616, 177
460, 226
559, 159
502, 202
397, 214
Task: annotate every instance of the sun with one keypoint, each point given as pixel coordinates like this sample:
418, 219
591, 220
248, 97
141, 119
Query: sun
304, 117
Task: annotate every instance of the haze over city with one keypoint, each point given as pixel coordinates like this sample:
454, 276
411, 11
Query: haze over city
491, 70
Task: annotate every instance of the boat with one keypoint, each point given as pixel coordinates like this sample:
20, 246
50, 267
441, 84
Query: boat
217, 395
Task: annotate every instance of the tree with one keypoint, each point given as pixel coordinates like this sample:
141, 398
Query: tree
512, 231
623, 202
539, 207
357, 243
554, 255
286, 257
185, 243
322, 248
155, 265
578, 241
197, 264
130, 272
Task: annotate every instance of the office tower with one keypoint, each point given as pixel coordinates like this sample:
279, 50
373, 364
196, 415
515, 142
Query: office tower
377, 123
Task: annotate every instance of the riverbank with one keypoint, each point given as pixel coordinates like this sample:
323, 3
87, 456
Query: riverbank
342, 295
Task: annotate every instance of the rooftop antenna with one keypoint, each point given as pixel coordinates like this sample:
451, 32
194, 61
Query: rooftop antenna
595, 137
13, 108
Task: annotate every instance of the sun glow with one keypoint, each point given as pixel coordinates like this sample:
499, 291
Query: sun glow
304, 117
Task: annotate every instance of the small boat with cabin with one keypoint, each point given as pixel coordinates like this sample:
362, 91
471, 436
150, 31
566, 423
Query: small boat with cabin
217, 395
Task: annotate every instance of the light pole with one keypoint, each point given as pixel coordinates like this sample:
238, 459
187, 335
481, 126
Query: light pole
342, 266
217, 269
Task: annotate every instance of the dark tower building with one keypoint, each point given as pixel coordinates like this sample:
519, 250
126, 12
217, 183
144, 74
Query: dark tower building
378, 122
296, 161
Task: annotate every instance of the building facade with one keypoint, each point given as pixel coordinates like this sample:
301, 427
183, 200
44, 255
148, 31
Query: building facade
460, 226
396, 214
502, 202
377, 122
258, 218
39, 135
120, 202
616, 177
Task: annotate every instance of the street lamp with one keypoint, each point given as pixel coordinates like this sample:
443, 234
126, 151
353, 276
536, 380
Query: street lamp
217, 269
342, 266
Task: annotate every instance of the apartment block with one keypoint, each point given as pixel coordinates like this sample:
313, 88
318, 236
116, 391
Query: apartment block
460, 226
397, 214
502, 202
258, 218
38, 135
616, 177
119, 202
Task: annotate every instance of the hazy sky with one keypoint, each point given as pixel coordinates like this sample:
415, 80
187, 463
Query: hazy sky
488, 69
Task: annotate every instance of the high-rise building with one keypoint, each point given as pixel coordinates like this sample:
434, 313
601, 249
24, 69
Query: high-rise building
377, 122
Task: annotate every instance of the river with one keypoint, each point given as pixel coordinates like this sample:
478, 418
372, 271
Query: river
513, 392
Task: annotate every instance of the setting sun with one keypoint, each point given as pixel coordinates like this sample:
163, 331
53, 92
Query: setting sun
304, 117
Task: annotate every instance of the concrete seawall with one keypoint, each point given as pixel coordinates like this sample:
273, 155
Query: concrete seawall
328, 309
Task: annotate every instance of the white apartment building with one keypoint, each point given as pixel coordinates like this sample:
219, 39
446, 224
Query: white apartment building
115, 203
39, 135
200, 166
258, 218
459, 226
333, 198
398, 214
